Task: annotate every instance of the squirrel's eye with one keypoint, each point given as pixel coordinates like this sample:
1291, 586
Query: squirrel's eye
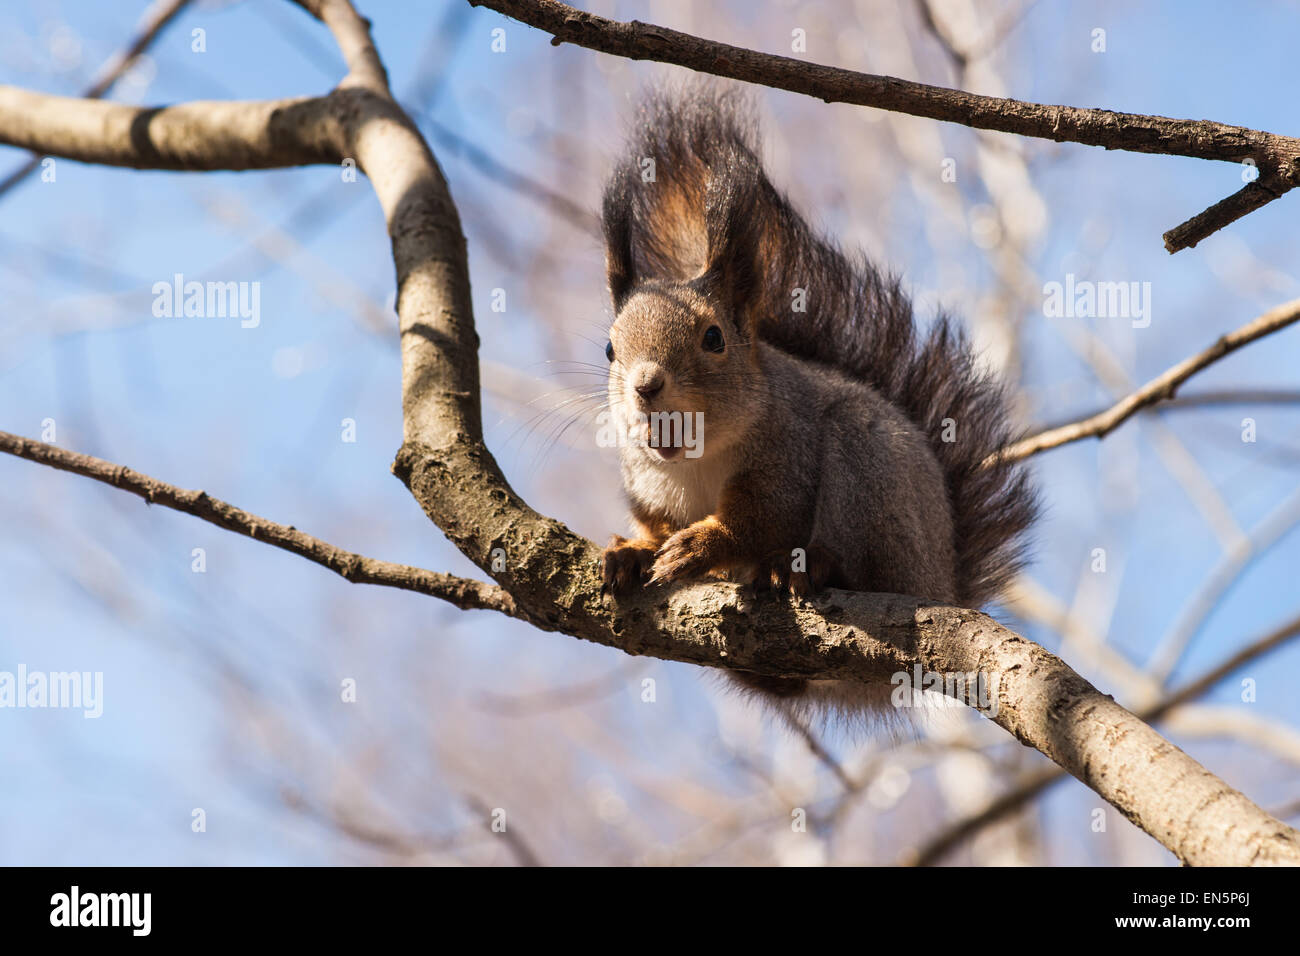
609, 351
713, 339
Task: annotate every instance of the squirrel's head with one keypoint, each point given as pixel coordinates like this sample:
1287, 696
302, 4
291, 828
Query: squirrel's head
684, 374
683, 371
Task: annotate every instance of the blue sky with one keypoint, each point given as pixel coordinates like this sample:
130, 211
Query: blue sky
94, 580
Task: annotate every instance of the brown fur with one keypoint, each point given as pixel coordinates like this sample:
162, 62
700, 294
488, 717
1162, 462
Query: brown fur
822, 429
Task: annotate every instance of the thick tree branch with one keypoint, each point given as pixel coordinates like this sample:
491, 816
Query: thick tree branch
952, 836
1164, 386
152, 23
191, 136
551, 573
1277, 157
352, 34
465, 593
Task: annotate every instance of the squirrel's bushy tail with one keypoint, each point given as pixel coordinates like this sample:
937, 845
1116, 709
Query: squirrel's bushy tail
856, 319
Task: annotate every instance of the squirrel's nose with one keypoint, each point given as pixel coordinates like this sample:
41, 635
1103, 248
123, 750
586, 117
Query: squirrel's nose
650, 386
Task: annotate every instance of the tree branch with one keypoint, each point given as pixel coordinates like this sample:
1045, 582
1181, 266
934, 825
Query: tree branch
1277, 157
1252, 397
465, 593
1040, 780
1225, 212
154, 21
1161, 388
191, 136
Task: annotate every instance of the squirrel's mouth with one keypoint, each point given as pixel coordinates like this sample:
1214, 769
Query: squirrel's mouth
662, 442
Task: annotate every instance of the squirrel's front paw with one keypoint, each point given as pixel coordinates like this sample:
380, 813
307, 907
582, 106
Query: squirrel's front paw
625, 564
801, 571
690, 553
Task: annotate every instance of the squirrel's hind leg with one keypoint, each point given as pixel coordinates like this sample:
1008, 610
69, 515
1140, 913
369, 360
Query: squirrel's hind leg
801, 571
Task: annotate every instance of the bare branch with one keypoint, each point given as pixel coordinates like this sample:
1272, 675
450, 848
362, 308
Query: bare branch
800, 727
1246, 727
559, 698
1218, 397
352, 34
517, 844
1163, 387
1225, 212
463, 592
579, 217
193, 136
1277, 157
152, 23
1270, 529
1039, 781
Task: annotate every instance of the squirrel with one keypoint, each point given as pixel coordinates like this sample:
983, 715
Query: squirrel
838, 446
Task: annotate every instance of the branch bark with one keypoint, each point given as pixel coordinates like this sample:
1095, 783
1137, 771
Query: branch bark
952, 836
1161, 388
465, 593
551, 573
1251, 397
1277, 157
152, 23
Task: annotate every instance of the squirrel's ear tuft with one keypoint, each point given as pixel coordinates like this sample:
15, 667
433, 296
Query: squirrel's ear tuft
616, 217
731, 272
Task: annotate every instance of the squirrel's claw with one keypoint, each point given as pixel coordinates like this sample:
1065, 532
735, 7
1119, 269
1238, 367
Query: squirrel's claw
624, 565
781, 571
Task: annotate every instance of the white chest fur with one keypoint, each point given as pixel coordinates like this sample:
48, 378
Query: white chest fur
685, 490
